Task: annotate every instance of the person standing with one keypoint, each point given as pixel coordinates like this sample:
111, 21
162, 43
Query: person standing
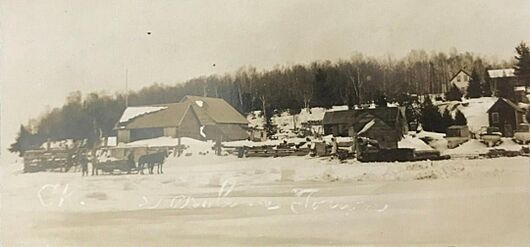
334, 148
218, 147
83, 161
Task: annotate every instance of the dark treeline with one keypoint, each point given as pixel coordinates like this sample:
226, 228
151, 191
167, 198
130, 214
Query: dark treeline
357, 80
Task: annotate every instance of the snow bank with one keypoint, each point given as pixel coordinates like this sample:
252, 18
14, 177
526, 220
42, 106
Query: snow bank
136, 111
413, 142
192, 145
475, 147
434, 140
154, 142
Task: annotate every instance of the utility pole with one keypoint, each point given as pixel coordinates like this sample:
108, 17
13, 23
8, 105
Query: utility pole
126, 87
359, 85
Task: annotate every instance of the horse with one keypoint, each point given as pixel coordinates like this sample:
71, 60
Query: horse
151, 160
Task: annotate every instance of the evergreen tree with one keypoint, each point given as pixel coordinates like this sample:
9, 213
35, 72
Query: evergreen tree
24, 141
460, 119
474, 89
505, 90
454, 94
429, 117
446, 121
486, 89
522, 66
486, 85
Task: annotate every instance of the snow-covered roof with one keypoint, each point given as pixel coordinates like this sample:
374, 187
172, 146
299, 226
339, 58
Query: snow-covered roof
499, 73
338, 108
367, 126
111, 141
136, 111
475, 110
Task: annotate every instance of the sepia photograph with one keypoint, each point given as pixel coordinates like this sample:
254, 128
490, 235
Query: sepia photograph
264, 123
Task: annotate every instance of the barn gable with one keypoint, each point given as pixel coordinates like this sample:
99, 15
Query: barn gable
214, 110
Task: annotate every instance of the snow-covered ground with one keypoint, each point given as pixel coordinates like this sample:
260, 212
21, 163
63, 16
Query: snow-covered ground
473, 147
206, 200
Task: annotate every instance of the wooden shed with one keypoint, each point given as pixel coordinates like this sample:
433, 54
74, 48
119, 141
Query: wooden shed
506, 116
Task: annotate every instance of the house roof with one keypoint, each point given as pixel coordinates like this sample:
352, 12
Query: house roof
214, 110
508, 102
500, 73
456, 74
389, 115
167, 115
339, 117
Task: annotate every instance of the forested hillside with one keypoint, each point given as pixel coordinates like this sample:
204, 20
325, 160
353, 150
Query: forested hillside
359, 79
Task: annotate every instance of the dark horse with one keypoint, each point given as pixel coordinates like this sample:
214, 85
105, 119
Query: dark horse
151, 160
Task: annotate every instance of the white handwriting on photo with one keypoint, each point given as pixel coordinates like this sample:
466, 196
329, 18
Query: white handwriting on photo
55, 195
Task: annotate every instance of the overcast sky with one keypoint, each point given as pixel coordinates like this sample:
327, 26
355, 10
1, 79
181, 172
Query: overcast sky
50, 48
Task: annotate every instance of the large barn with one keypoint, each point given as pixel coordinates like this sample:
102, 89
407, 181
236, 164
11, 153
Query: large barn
201, 118
387, 125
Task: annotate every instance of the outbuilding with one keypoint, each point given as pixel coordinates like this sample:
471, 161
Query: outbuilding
506, 116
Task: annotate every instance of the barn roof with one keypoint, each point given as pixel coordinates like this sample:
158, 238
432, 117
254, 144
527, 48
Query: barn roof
507, 102
166, 115
136, 111
500, 73
214, 110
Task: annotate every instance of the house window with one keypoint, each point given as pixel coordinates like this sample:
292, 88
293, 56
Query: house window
495, 117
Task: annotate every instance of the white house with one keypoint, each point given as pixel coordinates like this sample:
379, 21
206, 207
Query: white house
461, 80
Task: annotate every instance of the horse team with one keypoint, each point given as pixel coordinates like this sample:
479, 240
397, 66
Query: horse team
152, 160
146, 161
